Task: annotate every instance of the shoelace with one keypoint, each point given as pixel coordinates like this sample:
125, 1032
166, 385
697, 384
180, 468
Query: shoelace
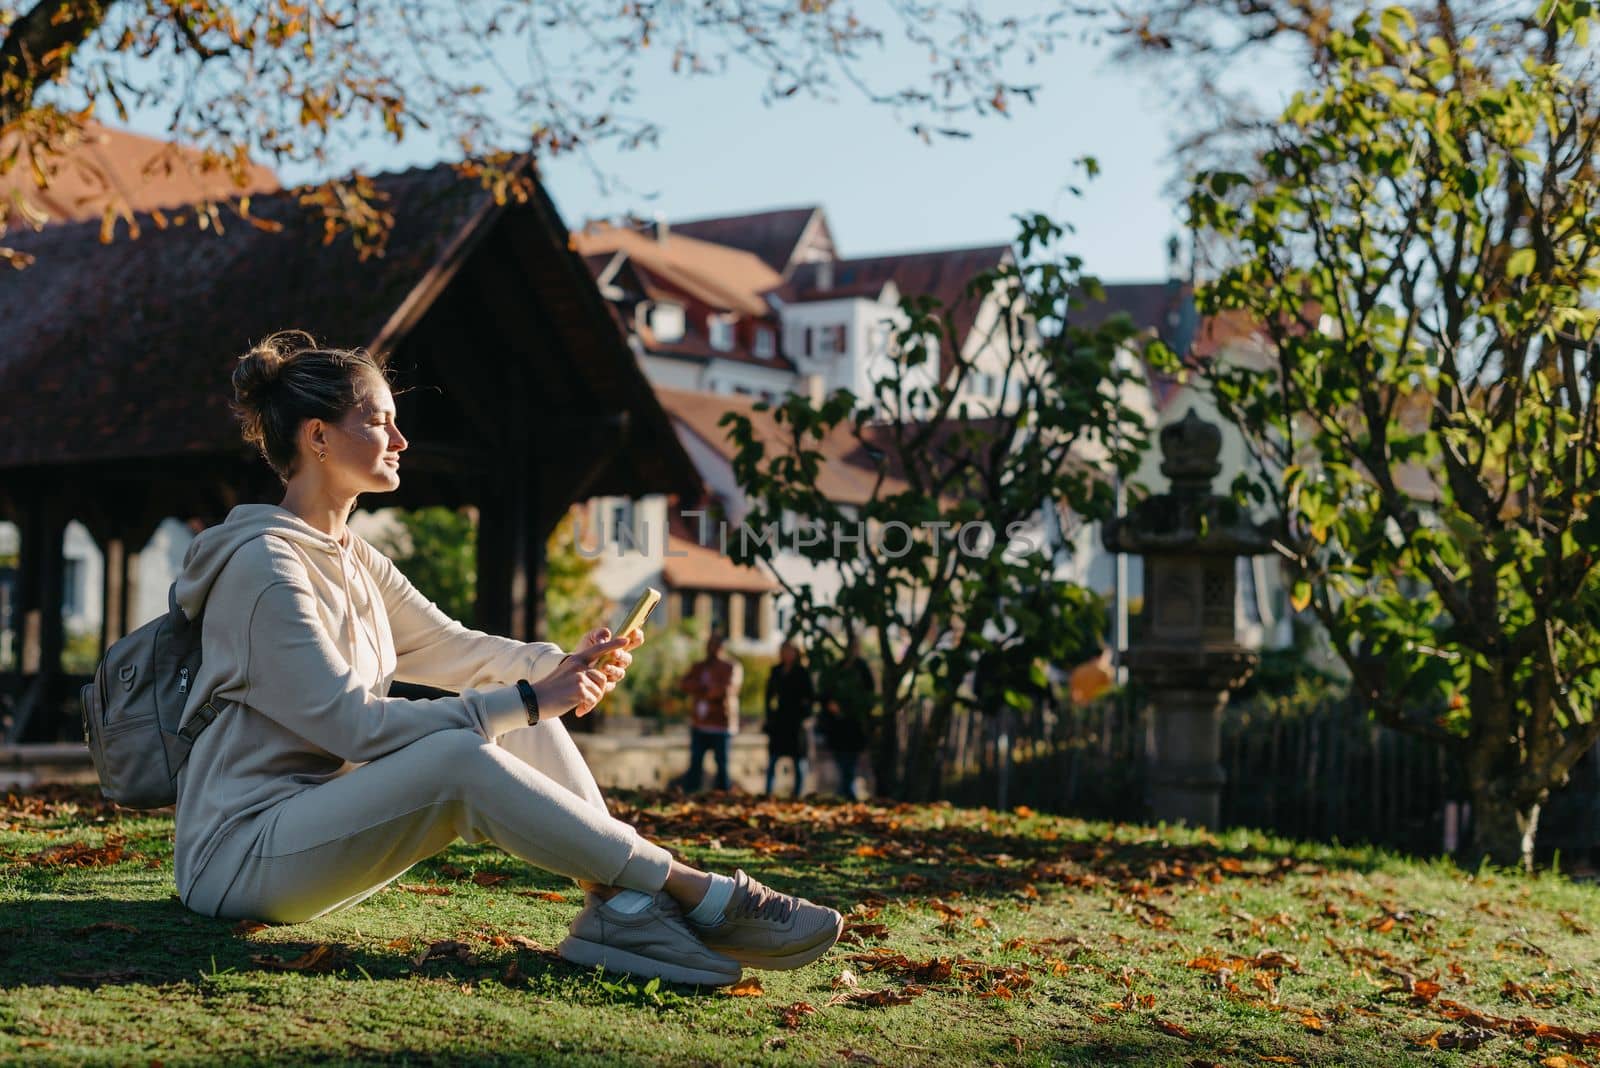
763, 903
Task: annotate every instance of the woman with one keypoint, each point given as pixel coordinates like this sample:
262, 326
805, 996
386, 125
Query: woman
848, 693
312, 789
788, 705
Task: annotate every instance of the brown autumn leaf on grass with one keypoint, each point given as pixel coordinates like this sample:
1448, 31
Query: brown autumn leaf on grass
317, 960
876, 999
541, 895
103, 925
748, 987
520, 941
426, 889
82, 855
791, 1015
247, 927
445, 949
489, 878
1174, 1029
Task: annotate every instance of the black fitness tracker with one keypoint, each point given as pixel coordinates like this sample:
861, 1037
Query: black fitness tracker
530, 700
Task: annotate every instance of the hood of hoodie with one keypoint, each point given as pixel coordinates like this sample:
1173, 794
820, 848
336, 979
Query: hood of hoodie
213, 547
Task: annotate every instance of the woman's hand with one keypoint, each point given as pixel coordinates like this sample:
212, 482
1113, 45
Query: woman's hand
611, 663
578, 682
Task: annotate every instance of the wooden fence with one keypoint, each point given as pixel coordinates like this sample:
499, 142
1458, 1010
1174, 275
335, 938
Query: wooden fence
1320, 771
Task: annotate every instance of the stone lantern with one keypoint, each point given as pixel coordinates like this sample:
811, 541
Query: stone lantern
1188, 659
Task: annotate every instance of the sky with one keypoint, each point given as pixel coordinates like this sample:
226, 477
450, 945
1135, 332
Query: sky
723, 152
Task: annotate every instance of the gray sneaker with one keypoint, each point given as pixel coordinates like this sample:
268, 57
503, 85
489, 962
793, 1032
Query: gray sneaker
766, 929
650, 943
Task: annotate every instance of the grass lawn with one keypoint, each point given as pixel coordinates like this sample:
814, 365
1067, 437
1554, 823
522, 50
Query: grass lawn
979, 937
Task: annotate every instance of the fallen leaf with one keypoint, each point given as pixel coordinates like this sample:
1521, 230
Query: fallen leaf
427, 889
877, 999
1175, 1030
446, 949
748, 987
316, 960
791, 1015
106, 925
489, 878
248, 927
542, 895
1311, 1021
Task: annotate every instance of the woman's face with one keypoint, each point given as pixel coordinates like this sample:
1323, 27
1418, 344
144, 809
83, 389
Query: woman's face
365, 446
788, 654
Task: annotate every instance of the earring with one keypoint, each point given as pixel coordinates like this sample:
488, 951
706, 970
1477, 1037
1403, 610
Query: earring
321, 456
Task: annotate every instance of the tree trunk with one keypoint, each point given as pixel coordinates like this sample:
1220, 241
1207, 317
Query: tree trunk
1503, 828
886, 752
922, 773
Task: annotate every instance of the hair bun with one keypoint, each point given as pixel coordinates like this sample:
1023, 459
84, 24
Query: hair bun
258, 370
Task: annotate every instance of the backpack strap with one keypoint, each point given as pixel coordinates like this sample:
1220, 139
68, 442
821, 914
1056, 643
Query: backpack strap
198, 722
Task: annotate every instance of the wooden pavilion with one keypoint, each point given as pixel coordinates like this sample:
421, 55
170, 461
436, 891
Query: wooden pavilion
513, 382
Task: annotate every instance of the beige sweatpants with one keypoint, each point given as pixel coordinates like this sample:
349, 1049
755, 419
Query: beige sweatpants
339, 842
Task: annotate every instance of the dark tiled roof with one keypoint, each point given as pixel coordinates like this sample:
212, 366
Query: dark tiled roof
138, 338
126, 350
771, 235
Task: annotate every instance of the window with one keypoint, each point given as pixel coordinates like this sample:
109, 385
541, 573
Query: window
686, 600
805, 344
666, 322
752, 616
833, 340
620, 528
719, 613
71, 586
721, 328
766, 343
1249, 596
744, 391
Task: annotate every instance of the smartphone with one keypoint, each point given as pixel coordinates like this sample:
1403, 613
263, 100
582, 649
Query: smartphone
638, 613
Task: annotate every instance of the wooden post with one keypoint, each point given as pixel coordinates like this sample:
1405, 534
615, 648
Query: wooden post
41, 568
113, 592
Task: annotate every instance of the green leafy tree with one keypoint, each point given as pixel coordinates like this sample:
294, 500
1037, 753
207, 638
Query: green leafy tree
437, 549
1421, 242
931, 599
573, 605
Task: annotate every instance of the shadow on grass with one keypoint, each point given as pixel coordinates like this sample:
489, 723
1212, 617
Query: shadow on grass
838, 851
96, 941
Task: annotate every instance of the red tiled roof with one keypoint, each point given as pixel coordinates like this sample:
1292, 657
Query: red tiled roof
727, 279
691, 566
772, 236
125, 170
849, 470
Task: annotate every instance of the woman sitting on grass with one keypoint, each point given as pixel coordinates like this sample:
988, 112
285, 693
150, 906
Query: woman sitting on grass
313, 789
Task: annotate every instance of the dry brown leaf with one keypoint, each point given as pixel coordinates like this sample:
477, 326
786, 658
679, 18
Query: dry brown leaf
542, 895
248, 927
748, 987
316, 960
791, 1015
1175, 1030
876, 999
427, 889
446, 949
106, 925
489, 878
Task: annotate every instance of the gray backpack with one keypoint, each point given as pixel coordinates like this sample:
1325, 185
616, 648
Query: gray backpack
132, 710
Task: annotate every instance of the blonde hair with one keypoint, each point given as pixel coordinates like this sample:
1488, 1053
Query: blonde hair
288, 378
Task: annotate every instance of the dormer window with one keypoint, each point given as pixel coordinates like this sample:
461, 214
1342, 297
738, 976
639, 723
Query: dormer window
832, 340
721, 330
765, 345
666, 322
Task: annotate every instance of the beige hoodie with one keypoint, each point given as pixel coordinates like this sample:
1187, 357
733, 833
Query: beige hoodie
301, 638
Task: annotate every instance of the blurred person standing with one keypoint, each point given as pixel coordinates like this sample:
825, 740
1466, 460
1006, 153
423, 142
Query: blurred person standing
848, 695
788, 705
712, 686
